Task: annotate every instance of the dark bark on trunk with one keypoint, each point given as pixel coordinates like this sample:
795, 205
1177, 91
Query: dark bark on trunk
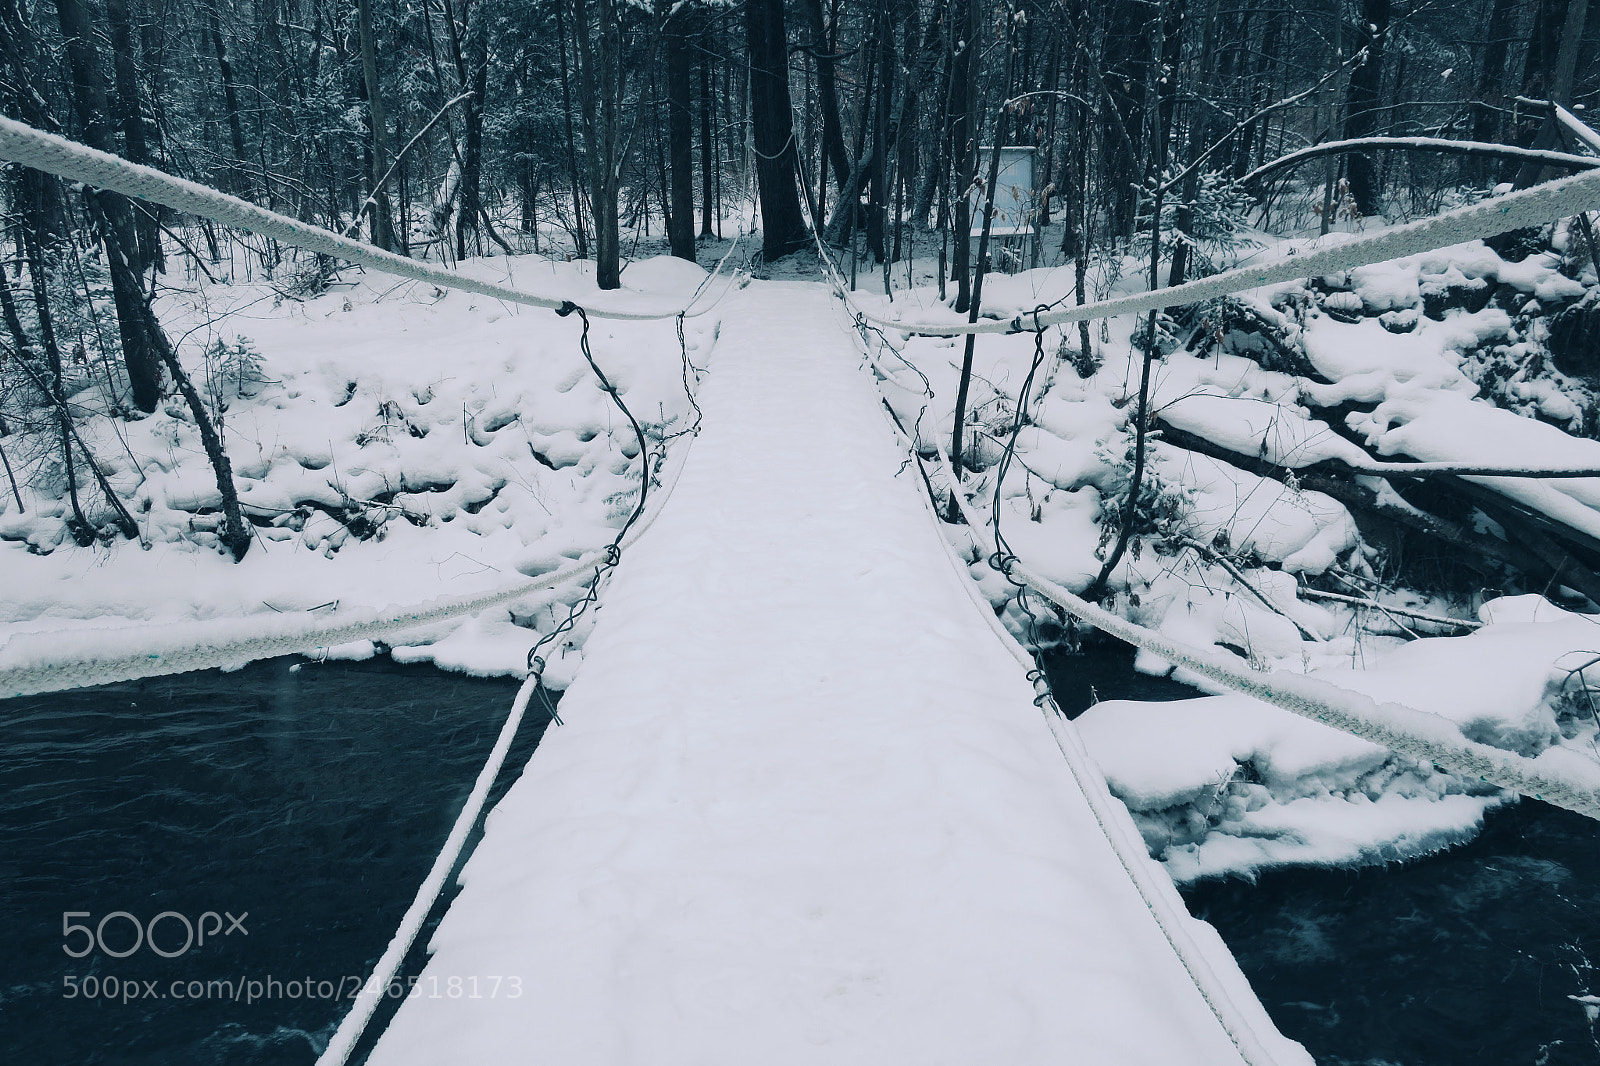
235, 530
1001, 120
130, 116
1199, 138
935, 183
838, 159
377, 128
1127, 63
230, 99
473, 217
877, 199
1561, 84
963, 146
1361, 104
708, 145
1539, 65
580, 239
1490, 91
140, 332
680, 138
783, 228
927, 54
82, 531
600, 86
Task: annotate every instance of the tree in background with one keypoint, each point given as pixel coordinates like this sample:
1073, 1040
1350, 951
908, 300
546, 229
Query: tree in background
783, 228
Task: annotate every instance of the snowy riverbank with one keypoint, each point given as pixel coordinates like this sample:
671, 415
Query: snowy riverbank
394, 443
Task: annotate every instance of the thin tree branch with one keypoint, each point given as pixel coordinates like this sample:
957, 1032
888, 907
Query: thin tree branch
372, 199
1479, 149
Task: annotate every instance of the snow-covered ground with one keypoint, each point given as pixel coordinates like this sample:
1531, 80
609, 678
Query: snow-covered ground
398, 442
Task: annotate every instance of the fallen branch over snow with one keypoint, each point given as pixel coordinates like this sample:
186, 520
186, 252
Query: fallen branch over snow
1559, 776
1389, 608
1490, 552
1233, 572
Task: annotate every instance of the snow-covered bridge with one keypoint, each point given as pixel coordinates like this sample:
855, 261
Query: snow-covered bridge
802, 812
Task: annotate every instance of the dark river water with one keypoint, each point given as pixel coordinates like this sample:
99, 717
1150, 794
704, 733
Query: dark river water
290, 812
306, 801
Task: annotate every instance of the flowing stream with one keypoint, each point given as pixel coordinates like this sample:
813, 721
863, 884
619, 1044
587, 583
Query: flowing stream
288, 811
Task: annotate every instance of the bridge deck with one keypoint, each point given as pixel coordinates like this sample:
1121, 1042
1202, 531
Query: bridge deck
803, 808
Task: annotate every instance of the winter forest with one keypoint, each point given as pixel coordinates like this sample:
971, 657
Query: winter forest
776, 402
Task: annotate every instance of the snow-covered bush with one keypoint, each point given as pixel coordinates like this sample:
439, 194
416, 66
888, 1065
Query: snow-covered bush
1217, 216
1162, 510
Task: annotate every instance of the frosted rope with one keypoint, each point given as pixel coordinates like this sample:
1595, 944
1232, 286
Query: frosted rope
276, 635
372, 991
1418, 734
21, 143
1411, 732
1527, 207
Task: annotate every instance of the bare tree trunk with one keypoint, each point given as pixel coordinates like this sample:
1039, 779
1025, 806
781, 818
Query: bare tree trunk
1567, 56
230, 98
235, 530
708, 144
783, 228
140, 332
827, 91
382, 231
581, 242
1361, 104
680, 137
882, 152
963, 146
956, 453
69, 433
1544, 46
472, 216
1490, 91
1127, 63
130, 115
82, 531
600, 86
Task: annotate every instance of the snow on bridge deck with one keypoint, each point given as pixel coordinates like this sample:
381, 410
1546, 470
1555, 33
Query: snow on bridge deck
803, 808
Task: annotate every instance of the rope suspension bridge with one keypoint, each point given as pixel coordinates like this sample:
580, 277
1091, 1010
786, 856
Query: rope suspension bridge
729, 854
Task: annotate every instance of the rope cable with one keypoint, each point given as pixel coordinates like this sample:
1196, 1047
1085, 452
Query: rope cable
1514, 210
196, 650
23, 144
372, 991
613, 551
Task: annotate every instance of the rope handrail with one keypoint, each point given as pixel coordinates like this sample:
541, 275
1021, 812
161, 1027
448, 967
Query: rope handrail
195, 645
21, 143
1418, 734
373, 989
1421, 735
1514, 210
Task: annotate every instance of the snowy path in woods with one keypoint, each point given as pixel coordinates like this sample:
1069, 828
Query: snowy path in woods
803, 808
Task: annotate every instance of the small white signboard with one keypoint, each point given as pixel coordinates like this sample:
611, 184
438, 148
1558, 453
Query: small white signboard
1014, 200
